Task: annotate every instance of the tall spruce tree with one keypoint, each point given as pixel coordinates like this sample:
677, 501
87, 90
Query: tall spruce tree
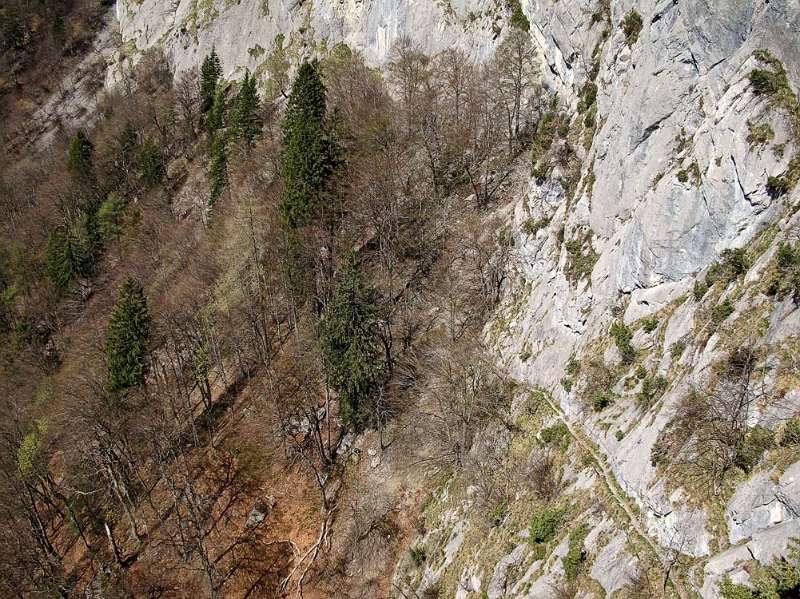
72, 250
218, 167
245, 120
126, 338
215, 121
350, 343
310, 154
79, 157
151, 163
210, 73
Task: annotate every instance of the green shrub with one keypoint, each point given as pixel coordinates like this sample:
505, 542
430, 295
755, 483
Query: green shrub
676, 349
497, 514
779, 580
632, 27
652, 388
557, 434
791, 432
576, 555
622, 337
28, 453
418, 555
567, 383
764, 82
588, 96
749, 451
787, 256
619, 435
518, 18
530, 226
573, 366
683, 176
721, 311
777, 187
699, 290
735, 263
545, 524
580, 262
650, 325
602, 400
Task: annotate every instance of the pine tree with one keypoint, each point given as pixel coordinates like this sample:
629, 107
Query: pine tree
245, 120
309, 153
350, 343
127, 337
79, 157
218, 167
210, 73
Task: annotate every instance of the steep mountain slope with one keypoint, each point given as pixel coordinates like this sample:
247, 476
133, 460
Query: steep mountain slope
668, 178
654, 277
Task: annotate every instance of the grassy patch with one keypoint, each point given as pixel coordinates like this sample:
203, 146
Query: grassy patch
759, 135
581, 257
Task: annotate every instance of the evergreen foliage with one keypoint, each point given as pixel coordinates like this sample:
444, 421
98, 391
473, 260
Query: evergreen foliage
126, 338
71, 251
110, 216
310, 154
216, 116
210, 73
545, 524
218, 167
350, 344
632, 27
151, 163
79, 157
245, 119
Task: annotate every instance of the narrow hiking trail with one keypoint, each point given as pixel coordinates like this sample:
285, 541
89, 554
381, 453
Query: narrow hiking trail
619, 496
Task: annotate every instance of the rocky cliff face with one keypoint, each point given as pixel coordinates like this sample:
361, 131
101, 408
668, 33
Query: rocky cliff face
674, 171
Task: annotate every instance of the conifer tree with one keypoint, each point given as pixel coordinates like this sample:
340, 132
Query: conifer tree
72, 250
151, 167
79, 157
127, 337
57, 259
245, 120
350, 343
210, 73
216, 116
218, 167
309, 153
